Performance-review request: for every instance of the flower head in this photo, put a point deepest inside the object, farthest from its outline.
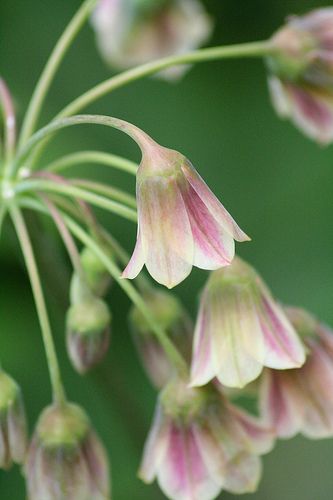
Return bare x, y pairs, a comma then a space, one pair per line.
171, 316
301, 400
13, 425
181, 222
302, 73
200, 444
65, 458
240, 329
88, 333
130, 33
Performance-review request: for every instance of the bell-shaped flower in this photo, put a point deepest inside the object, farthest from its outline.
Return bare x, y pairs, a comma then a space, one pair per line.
199, 444
66, 458
130, 33
301, 81
171, 316
13, 424
240, 329
301, 401
180, 221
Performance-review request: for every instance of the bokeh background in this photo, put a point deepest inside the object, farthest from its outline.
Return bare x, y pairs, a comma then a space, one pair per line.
277, 184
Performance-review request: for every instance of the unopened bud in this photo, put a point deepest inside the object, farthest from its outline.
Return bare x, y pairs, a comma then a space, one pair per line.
88, 333
13, 426
98, 278
66, 458
174, 320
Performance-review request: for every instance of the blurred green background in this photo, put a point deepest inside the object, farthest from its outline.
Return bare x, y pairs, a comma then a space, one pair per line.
277, 184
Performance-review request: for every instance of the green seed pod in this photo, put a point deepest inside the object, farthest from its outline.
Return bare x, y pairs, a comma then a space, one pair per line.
66, 458
88, 333
13, 425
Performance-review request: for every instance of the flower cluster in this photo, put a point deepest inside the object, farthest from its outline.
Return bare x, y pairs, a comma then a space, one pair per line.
201, 441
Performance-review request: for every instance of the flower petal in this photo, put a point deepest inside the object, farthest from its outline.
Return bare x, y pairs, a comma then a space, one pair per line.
244, 473
165, 230
217, 210
137, 260
213, 246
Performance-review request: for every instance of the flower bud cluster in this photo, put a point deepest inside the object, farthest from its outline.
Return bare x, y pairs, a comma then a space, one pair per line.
88, 318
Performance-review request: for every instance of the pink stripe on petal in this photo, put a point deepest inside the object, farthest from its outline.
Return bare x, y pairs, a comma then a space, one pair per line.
183, 474
213, 246
136, 262
283, 346
281, 402
312, 112
165, 230
214, 206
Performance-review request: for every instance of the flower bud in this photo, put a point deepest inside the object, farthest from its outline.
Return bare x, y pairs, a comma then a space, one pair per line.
200, 444
174, 320
301, 66
240, 329
88, 333
196, 230
66, 458
130, 33
98, 278
13, 425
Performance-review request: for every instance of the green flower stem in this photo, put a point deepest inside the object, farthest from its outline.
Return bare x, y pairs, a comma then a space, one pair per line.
253, 49
140, 137
3, 212
33, 185
106, 190
66, 236
170, 350
96, 157
51, 68
23, 236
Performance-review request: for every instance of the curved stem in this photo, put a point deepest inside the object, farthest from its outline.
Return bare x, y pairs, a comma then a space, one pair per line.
253, 49
140, 137
97, 157
24, 239
73, 191
51, 67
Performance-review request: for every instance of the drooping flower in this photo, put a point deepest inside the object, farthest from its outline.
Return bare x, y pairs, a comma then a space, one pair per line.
301, 81
88, 332
301, 400
65, 458
200, 444
180, 221
171, 316
13, 425
240, 329
130, 33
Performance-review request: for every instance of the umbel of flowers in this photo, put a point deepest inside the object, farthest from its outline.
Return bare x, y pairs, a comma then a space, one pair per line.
200, 442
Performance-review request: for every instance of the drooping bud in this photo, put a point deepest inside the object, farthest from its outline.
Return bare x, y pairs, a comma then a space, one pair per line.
13, 425
130, 33
88, 333
240, 329
98, 278
301, 400
302, 73
200, 444
174, 320
66, 458
196, 230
